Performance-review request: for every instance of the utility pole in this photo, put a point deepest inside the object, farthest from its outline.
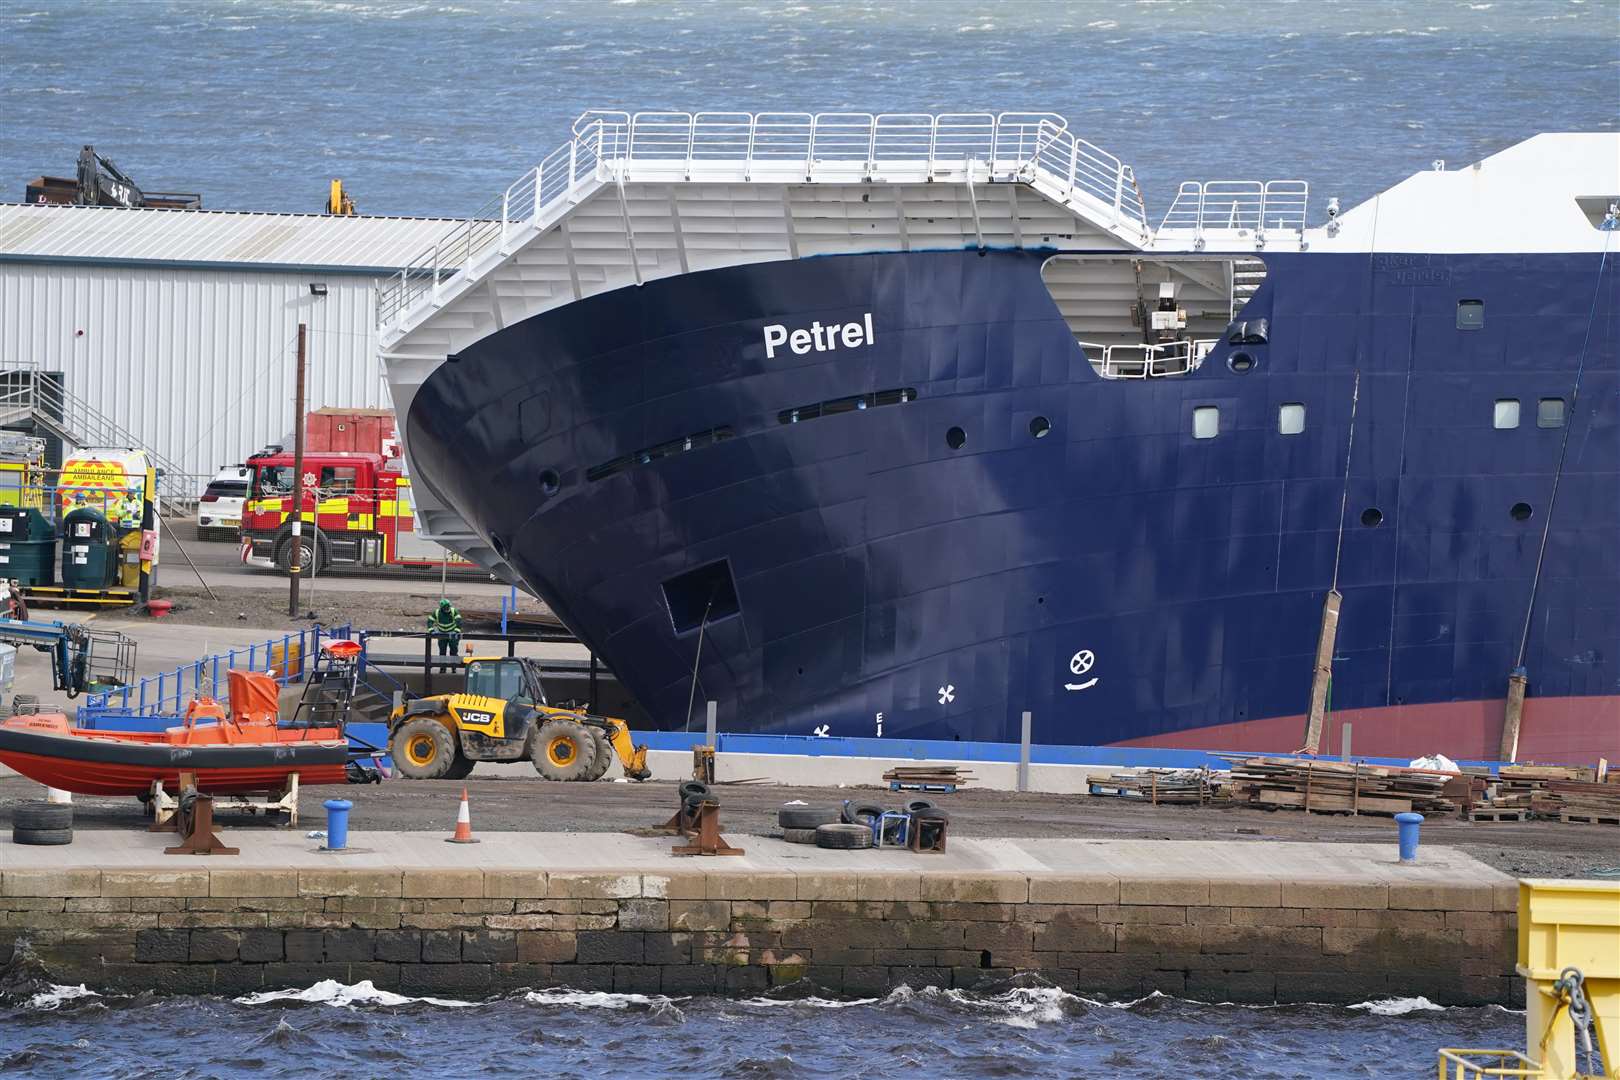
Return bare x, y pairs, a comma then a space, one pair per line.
296, 555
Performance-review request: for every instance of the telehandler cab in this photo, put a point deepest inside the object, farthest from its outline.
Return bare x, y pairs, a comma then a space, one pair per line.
501, 714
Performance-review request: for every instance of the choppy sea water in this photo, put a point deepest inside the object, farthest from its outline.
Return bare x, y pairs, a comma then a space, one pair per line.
332, 1030
432, 107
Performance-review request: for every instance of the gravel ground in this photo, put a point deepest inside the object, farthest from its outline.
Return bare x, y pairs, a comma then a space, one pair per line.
511, 801
393, 604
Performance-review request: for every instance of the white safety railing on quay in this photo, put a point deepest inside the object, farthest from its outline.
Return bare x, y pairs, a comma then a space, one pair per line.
1145, 361
1230, 205
785, 146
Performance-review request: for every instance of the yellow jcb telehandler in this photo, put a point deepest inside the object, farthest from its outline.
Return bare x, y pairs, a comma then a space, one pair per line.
501, 714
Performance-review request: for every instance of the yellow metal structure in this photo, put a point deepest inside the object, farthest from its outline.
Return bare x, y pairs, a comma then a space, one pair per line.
22, 467
338, 202
1569, 956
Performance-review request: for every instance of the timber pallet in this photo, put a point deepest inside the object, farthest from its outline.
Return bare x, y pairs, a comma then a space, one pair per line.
932, 788
1489, 814
1588, 819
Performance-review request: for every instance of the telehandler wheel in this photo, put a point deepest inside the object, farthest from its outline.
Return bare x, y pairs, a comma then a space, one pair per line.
563, 750
604, 756
460, 768
423, 749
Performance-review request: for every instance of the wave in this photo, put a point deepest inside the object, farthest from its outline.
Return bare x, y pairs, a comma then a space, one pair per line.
1398, 1006
55, 996
332, 992
596, 999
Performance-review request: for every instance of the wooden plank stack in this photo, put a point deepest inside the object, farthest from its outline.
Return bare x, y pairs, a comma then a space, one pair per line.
1175, 786
1562, 793
1336, 787
927, 777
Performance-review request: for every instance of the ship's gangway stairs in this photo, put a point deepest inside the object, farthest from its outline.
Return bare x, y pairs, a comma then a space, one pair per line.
633, 198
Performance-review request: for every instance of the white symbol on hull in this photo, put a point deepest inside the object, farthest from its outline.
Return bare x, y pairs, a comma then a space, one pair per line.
1080, 663
821, 732
947, 694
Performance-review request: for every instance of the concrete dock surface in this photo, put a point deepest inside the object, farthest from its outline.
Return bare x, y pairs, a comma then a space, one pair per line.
1262, 866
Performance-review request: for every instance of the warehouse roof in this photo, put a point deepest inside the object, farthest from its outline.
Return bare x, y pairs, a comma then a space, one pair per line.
213, 238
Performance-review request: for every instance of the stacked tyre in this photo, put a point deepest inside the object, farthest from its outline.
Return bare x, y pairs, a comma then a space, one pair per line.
799, 823
42, 823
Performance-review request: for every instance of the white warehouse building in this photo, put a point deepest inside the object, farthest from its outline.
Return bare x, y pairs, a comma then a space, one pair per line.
175, 330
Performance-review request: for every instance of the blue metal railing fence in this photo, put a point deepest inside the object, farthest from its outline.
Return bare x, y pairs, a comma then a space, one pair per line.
166, 693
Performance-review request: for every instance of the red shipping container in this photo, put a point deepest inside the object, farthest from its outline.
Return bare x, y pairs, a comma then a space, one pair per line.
366, 431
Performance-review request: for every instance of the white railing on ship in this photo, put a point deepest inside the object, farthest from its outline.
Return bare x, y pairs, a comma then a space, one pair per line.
1145, 361
1230, 205
778, 146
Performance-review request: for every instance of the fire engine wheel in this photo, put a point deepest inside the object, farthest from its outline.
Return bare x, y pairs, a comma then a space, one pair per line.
423, 749
563, 750
311, 560
604, 755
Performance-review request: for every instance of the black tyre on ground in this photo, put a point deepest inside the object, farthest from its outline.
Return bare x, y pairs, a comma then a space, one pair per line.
460, 768
843, 836
693, 787
855, 813
563, 750
41, 837
806, 817
799, 836
604, 754
42, 815
423, 749
918, 804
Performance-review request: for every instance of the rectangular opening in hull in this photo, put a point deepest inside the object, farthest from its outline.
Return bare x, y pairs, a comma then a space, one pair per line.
707, 594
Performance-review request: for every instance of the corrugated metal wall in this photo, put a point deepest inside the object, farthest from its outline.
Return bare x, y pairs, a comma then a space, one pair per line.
198, 363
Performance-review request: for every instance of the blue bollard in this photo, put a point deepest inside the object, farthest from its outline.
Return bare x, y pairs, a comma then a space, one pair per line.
337, 823
1408, 825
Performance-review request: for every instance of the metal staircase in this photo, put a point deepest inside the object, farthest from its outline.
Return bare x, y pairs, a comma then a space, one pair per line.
1247, 274
38, 397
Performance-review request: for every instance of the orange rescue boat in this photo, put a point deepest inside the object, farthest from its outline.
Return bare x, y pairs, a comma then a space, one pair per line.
246, 750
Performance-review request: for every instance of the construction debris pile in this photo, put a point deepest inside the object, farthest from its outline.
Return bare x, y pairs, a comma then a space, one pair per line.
1513, 793
1350, 787
1185, 786
1519, 792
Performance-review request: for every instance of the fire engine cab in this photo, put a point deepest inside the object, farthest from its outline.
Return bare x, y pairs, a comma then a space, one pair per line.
359, 505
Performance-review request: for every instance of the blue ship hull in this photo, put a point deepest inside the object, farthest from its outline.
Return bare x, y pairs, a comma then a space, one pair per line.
996, 528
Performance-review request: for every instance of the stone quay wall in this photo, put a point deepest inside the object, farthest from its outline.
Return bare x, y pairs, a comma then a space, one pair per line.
475, 932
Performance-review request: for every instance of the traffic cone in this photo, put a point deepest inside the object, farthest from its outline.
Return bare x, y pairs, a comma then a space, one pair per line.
463, 824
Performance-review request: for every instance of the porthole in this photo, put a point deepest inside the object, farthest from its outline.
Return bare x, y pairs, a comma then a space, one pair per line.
1520, 512
1372, 517
549, 482
1240, 362
1550, 412
1040, 427
956, 438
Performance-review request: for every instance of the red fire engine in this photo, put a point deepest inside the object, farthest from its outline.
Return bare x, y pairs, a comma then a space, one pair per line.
359, 505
